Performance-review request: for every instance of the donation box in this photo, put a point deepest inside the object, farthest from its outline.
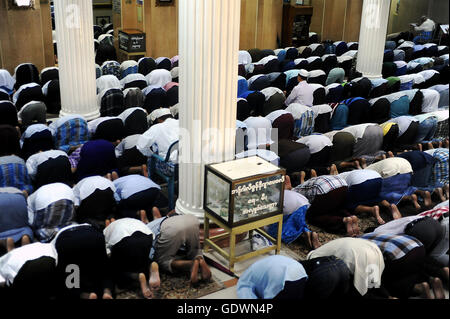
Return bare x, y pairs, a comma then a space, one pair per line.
243, 191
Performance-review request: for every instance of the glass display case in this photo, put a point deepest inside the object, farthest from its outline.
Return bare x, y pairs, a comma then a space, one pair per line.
244, 190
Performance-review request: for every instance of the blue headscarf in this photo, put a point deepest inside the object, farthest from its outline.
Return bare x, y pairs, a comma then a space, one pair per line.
266, 278
340, 117
243, 91
293, 226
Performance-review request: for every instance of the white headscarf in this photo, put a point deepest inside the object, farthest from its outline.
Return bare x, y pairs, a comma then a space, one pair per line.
158, 78
108, 82
6, 80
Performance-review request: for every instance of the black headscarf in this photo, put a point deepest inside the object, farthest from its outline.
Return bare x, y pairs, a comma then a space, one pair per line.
243, 110
8, 114
380, 111
34, 113
105, 52
39, 141
134, 98
53, 98
48, 75
156, 99
256, 102
136, 123
29, 94
342, 149
110, 130
26, 73
146, 65
275, 102
361, 88
172, 96
9, 140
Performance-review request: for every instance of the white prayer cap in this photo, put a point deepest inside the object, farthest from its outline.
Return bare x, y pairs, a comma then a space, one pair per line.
303, 73
156, 114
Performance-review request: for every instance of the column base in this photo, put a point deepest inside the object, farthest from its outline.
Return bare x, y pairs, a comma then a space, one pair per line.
199, 213
371, 76
88, 116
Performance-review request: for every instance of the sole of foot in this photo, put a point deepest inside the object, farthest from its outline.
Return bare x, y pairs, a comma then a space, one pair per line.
438, 288
155, 281
194, 272
204, 270
349, 226
146, 292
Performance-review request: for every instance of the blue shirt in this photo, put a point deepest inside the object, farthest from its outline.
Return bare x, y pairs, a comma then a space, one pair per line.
129, 185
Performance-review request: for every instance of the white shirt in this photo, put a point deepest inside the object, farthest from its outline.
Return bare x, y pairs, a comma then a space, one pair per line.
297, 110
403, 123
127, 143
293, 201
259, 131
302, 94
32, 129
161, 135
47, 195
431, 100
108, 81
359, 176
276, 114
358, 130
12, 262
315, 143
37, 159
427, 26
391, 167
132, 184
123, 228
89, 185
397, 226
245, 57
268, 92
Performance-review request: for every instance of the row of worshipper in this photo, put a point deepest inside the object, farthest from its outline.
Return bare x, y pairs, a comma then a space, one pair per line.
337, 89
271, 65
405, 258
126, 254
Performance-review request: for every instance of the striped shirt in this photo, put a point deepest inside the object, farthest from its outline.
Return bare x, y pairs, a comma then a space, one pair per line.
436, 213
439, 177
393, 247
319, 186
14, 173
72, 132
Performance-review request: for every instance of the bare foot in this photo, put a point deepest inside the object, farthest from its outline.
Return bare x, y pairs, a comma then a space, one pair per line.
113, 220
423, 289
315, 240
420, 147
356, 229
390, 154
194, 272
445, 272
302, 177
107, 223
348, 225
144, 170
427, 199
156, 213
395, 212
376, 214
313, 173
363, 163
438, 288
287, 183
430, 146
440, 193
114, 176
107, 295
143, 216
204, 269
333, 170
415, 201
307, 236
92, 295
146, 292
9, 244
155, 281
25, 240
108, 176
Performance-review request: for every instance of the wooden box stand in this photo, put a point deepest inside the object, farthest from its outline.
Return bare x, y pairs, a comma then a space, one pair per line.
232, 232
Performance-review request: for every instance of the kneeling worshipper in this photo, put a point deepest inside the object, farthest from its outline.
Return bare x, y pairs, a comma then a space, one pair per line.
438, 262
259, 132
13, 171
70, 132
84, 246
14, 226
440, 173
161, 136
134, 120
320, 149
30, 269
397, 174
129, 158
295, 206
390, 135
428, 123
111, 129
364, 260
94, 158
36, 138
293, 156
369, 141
408, 129
128, 242
342, 150
304, 119
363, 196
135, 193
50, 208
328, 278
327, 195
176, 247
8, 113
404, 258
94, 201
429, 232
283, 122
422, 164
274, 277
49, 167
303, 93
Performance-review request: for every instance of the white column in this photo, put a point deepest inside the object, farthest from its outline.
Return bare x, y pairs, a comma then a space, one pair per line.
76, 58
372, 37
208, 47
